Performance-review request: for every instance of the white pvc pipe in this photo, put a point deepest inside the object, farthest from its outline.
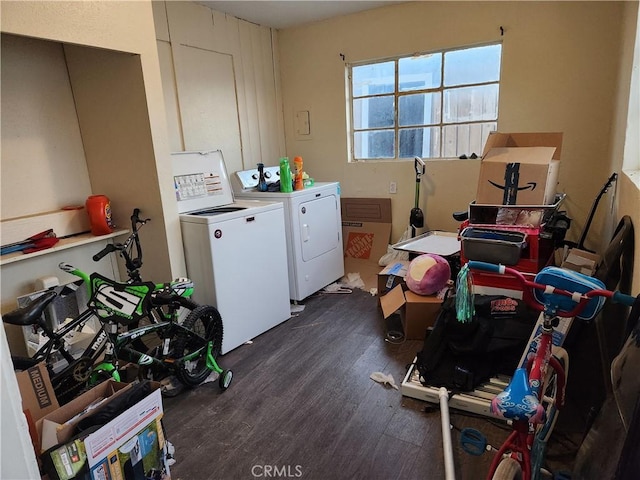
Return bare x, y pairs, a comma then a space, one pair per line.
450, 473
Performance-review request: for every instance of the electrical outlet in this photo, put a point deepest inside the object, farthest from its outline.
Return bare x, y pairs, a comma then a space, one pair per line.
393, 188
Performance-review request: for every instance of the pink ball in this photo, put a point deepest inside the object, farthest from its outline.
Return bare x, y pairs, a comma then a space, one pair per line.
427, 274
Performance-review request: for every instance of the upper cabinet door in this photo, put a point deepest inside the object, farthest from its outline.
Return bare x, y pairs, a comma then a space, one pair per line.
208, 103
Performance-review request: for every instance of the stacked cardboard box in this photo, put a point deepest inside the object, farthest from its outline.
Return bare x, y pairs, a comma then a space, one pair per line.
519, 169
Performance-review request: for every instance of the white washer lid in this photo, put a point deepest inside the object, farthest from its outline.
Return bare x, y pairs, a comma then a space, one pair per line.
200, 180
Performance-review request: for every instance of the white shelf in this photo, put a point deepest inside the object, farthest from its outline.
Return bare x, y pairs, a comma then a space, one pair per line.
63, 244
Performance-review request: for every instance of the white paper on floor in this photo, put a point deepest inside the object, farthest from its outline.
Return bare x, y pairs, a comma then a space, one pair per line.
213, 376
352, 280
296, 308
384, 379
336, 288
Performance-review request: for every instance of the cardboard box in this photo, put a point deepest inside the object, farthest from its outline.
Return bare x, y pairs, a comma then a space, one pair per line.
131, 444
137, 457
581, 261
417, 312
366, 227
57, 426
519, 169
420, 313
392, 275
366, 231
38, 397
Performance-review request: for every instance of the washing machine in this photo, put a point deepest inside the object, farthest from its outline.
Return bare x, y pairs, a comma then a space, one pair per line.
235, 251
313, 227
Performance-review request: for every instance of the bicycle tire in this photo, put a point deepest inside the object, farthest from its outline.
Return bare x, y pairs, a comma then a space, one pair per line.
508, 469
206, 323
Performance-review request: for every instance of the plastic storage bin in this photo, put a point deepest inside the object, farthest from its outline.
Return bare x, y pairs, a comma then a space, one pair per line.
493, 246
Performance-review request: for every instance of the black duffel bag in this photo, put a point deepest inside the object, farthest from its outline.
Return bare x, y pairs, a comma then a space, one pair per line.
462, 356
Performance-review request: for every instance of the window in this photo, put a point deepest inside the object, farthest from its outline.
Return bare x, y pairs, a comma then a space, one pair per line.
431, 105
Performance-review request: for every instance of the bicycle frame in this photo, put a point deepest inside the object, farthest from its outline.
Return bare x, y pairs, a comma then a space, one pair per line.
56, 341
165, 330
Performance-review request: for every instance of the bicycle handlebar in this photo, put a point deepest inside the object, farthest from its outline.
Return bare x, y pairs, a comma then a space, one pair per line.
132, 264
581, 299
104, 252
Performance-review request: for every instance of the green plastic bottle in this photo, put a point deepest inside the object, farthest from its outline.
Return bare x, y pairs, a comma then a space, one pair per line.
286, 182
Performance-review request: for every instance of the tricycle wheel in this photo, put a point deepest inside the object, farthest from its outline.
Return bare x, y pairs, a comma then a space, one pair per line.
225, 379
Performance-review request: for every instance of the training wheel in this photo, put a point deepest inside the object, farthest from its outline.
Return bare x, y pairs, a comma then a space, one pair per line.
225, 379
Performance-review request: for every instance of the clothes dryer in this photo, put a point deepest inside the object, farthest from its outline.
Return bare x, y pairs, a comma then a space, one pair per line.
313, 228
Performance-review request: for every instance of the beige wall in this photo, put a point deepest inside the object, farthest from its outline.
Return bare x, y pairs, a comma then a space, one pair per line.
37, 100
628, 113
560, 69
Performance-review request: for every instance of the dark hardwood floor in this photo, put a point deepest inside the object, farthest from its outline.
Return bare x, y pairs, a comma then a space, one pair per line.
302, 405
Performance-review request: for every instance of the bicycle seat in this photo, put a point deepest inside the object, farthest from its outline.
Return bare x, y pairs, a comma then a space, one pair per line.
517, 401
30, 313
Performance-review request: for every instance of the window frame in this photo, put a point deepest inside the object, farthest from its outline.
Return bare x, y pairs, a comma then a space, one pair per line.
397, 94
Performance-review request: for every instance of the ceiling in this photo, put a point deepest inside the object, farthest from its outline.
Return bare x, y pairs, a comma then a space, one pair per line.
286, 14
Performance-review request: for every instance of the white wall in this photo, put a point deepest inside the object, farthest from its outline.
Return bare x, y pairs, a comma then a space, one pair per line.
17, 458
560, 67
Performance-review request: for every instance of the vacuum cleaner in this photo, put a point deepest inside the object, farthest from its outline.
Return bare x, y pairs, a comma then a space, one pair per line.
416, 219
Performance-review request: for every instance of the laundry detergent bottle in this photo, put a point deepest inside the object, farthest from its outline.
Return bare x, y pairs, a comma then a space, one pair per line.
298, 184
286, 182
99, 210
262, 181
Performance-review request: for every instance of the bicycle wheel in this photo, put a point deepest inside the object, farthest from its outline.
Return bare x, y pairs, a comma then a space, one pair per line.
508, 469
204, 325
